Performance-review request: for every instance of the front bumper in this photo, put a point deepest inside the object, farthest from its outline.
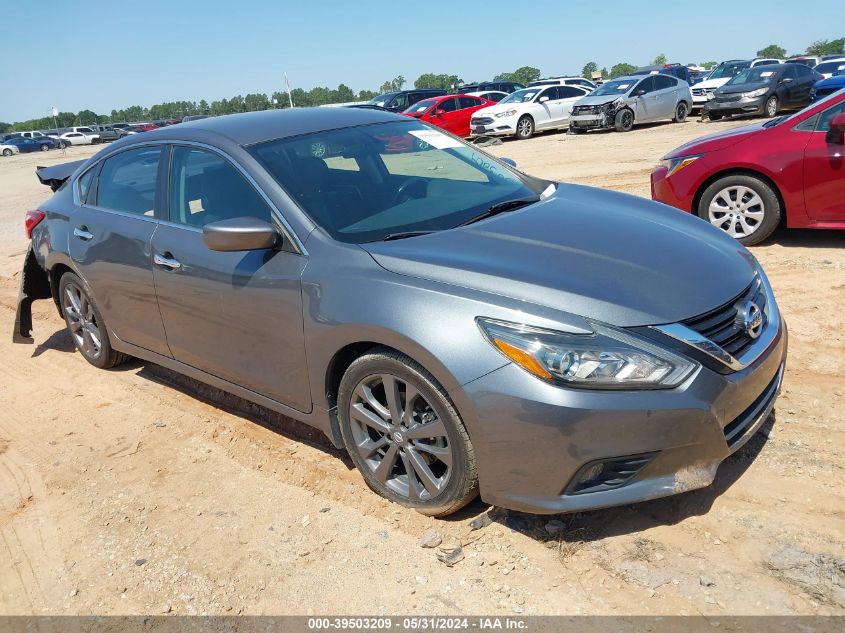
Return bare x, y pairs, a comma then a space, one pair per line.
741, 106
499, 127
537, 437
598, 121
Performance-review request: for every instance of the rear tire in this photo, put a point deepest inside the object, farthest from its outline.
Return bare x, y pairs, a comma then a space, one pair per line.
681, 111
45, 147
713, 116
770, 110
7, 152
524, 127
745, 207
624, 120
85, 323
387, 438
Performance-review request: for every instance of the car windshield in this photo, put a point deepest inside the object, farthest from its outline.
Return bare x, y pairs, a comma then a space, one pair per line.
382, 100
618, 87
728, 70
758, 75
521, 96
363, 184
421, 106
789, 118
833, 68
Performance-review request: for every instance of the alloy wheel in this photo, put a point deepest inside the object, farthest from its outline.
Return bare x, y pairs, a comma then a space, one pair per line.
525, 127
627, 119
81, 321
400, 437
737, 210
681, 112
772, 106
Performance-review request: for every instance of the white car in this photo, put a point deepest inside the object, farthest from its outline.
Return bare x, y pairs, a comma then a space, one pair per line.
80, 138
8, 150
830, 67
703, 91
564, 81
490, 95
527, 111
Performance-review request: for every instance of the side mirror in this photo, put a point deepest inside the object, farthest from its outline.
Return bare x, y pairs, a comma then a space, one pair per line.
836, 132
542, 100
786, 80
439, 111
639, 93
240, 234
508, 161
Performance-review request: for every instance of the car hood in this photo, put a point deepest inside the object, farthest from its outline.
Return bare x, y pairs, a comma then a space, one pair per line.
499, 107
737, 88
831, 82
591, 100
603, 255
717, 140
713, 83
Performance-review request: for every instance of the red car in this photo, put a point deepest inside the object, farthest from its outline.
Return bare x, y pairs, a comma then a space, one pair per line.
748, 180
451, 112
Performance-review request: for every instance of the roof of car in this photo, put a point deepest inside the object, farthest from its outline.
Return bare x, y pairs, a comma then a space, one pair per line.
254, 127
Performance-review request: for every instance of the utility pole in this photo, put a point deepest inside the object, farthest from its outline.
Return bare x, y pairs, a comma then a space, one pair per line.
287, 83
55, 112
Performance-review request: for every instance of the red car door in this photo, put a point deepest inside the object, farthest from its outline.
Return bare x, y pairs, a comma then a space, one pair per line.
445, 115
824, 171
467, 106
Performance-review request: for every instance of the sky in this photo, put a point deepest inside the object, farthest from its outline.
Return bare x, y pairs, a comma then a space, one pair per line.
100, 55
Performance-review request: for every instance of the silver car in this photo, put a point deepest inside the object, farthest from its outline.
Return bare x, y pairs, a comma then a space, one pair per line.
622, 103
457, 326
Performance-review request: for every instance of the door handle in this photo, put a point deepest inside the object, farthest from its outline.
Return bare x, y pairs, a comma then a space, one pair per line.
83, 233
166, 262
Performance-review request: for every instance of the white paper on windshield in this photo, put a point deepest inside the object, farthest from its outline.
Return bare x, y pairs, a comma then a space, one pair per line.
624, 87
768, 73
436, 139
548, 191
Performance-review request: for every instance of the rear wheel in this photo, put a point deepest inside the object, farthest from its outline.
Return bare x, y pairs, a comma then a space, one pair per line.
681, 111
744, 207
62, 145
624, 120
44, 147
525, 127
404, 434
771, 107
85, 323
7, 152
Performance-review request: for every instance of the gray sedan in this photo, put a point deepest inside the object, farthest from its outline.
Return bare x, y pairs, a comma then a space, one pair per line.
457, 326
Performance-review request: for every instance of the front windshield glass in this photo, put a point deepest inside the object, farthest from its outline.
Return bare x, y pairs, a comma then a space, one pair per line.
381, 100
790, 118
521, 96
833, 68
616, 87
421, 106
728, 70
362, 184
758, 75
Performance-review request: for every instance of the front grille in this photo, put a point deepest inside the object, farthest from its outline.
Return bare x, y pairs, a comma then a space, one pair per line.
698, 92
585, 109
728, 98
735, 431
483, 120
721, 325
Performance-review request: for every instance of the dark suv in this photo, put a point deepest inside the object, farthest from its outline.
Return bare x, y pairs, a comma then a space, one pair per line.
503, 86
675, 70
401, 100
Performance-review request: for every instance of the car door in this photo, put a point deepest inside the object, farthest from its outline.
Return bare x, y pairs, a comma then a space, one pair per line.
665, 96
788, 86
645, 108
569, 95
468, 105
235, 315
824, 171
543, 108
445, 114
115, 216
803, 85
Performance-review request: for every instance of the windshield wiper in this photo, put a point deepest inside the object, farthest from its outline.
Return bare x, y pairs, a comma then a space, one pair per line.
501, 207
403, 234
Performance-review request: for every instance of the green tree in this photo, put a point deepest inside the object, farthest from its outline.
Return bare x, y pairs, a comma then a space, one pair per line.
589, 69
87, 117
827, 47
442, 81
524, 75
393, 84
659, 60
344, 94
5, 127
772, 50
604, 72
622, 69
366, 95
710, 65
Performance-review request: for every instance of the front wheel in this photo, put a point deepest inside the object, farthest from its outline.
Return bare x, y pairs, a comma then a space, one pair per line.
713, 116
404, 435
44, 147
7, 152
681, 112
624, 120
85, 323
62, 145
771, 107
525, 127
744, 207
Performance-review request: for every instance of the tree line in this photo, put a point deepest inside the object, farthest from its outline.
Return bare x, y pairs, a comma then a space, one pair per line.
343, 93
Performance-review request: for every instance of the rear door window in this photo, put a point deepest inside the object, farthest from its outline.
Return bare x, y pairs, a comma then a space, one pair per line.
84, 184
662, 82
128, 181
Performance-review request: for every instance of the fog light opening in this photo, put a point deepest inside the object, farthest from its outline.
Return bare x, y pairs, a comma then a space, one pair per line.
607, 474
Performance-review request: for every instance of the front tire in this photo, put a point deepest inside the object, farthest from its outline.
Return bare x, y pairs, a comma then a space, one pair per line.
745, 207
525, 127
713, 116
770, 110
681, 111
624, 120
404, 434
7, 152
85, 323
45, 147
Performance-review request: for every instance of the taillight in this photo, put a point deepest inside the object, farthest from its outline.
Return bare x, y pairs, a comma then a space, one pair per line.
32, 220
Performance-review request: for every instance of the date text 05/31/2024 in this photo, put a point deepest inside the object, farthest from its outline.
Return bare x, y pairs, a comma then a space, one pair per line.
416, 623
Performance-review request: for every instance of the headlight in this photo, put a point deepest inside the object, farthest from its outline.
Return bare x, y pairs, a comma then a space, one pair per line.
674, 165
606, 359
613, 104
504, 114
755, 93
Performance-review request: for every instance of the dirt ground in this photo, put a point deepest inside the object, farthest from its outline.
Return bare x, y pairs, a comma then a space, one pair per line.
135, 491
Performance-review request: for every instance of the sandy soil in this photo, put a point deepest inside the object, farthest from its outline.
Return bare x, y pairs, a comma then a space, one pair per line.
136, 491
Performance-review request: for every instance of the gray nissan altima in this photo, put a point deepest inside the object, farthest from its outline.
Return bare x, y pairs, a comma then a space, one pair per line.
457, 326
